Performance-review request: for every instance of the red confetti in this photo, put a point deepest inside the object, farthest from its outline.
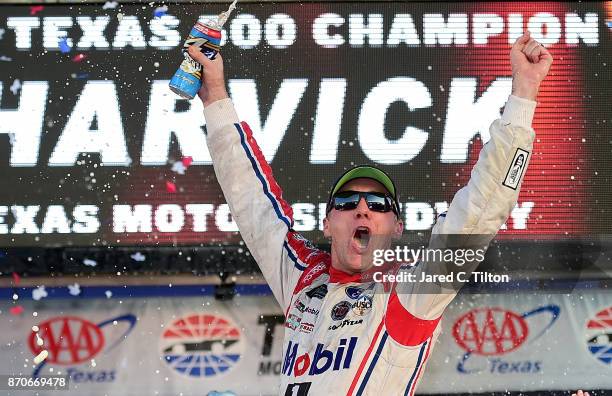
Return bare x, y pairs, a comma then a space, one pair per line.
187, 161
36, 9
16, 310
16, 278
170, 187
79, 57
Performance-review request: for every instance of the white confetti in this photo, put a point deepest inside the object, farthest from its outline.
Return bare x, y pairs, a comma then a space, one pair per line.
119, 16
15, 296
39, 293
41, 356
93, 363
179, 167
74, 290
138, 256
39, 340
108, 293
4, 58
2, 33
35, 329
15, 87
109, 5
90, 262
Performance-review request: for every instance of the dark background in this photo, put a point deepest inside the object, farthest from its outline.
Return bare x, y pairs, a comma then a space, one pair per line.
572, 121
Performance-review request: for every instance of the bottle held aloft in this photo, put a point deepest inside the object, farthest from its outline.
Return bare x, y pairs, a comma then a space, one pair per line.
187, 80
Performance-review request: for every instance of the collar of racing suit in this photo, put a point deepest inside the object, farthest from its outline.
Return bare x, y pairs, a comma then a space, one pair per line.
339, 276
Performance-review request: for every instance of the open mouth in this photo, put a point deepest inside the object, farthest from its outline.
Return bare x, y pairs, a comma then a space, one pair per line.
362, 236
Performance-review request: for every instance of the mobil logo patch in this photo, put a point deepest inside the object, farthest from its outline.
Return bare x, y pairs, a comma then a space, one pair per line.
202, 345
73, 340
323, 359
599, 336
489, 335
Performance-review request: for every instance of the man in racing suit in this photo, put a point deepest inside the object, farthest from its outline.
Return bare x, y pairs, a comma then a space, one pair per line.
344, 334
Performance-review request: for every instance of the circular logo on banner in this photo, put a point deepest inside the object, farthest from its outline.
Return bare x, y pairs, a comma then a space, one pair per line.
71, 340
494, 331
340, 310
363, 305
202, 345
599, 336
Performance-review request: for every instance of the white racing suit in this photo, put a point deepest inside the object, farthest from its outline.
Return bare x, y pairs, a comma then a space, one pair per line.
338, 342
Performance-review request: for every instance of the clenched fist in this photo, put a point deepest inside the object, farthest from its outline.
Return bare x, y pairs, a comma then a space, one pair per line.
530, 64
213, 80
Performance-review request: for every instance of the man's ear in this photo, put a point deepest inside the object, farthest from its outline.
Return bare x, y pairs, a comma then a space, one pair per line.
399, 229
326, 231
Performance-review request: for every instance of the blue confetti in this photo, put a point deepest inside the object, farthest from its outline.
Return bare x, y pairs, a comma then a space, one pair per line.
63, 45
609, 23
80, 76
160, 11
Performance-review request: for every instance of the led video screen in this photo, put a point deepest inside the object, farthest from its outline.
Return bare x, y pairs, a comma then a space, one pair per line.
95, 150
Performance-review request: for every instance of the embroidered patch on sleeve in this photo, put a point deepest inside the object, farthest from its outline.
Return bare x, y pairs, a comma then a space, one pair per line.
516, 169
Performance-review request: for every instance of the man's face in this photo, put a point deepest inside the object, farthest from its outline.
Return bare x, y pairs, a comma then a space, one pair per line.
356, 233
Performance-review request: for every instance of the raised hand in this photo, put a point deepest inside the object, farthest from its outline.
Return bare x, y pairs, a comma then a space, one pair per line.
530, 64
213, 80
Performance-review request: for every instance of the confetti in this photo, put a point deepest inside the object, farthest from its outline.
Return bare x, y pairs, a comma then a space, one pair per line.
138, 256
16, 278
4, 58
39, 293
35, 329
79, 76
119, 16
109, 5
63, 45
170, 187
187, 161
2, 33
90, 262
79, 57
179, 168
160, 11
15, 87
41, 357
108, 293
16, 310
74, 290
36, 9
39, 341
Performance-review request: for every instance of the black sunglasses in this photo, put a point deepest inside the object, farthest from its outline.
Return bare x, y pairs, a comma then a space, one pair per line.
349, 200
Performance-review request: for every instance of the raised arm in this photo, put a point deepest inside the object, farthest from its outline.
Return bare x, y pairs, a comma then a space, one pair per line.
479, 209
264, 218
484, 205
